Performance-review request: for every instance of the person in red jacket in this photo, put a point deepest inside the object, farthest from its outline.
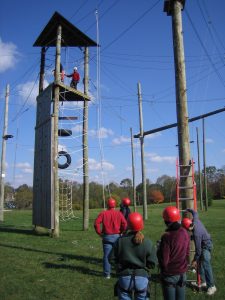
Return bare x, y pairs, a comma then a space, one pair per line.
109, 224
75, 78
173, 255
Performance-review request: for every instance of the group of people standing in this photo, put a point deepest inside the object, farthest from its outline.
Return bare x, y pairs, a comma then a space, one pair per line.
126, 247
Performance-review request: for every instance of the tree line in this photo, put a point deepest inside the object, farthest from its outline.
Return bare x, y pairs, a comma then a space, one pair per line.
163, 190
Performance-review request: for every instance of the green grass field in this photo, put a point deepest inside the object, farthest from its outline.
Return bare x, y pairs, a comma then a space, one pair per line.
70, 267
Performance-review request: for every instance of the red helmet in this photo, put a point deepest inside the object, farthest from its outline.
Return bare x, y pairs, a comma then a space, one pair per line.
126, 201
186, 223
135, 221
171, 214
111, 203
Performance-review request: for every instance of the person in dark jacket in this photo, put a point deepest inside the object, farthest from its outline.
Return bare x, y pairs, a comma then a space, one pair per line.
203, 247
124, 207
75, 78
173, 254
109, 224
133, 255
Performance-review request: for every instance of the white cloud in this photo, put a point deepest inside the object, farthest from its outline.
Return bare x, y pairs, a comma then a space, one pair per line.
25, 167
9, 56
153, 135
121, 140
96, 166
101, 133
29, 171
157, 158
62, 148
28, 91
78, 128
209, 141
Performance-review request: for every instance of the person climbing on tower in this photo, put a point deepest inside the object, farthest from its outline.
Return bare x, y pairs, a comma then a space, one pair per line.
109, 225
75, 78
203, 248
124, 207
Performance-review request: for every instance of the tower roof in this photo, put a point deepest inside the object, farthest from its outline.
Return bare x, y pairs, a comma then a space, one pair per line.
71, 35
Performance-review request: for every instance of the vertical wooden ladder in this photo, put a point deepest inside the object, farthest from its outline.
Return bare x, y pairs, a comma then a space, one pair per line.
179, 199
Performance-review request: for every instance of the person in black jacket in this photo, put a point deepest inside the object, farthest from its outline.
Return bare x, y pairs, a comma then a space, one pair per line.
124, 207
133, 255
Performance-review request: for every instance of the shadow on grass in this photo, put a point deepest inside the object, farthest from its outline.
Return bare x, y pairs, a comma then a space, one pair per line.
62, 256
80, 269
20, 230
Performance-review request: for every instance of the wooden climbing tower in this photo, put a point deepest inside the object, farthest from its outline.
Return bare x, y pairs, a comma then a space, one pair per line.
57, 33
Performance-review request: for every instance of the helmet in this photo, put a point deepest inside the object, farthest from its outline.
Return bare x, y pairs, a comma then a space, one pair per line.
186, 223
126, 201
111, 203
171, 214
135, 221
75, 68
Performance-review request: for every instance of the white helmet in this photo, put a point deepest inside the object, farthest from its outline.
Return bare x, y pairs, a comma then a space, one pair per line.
75, 68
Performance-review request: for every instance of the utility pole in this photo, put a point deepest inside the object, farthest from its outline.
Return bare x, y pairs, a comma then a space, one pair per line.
173, 9
133, 170
4, 138
55, 231
204, 167
199, 172
85, 145
145, 212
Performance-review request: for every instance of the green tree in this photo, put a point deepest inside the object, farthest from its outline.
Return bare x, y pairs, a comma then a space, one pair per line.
168, 184
126, 185
24, 197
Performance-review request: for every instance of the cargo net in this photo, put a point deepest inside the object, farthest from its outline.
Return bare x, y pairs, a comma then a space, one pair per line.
65, 200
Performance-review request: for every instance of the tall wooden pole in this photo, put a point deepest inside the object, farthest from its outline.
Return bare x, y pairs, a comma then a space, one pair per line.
145, 212
204, 167
199, 172
181, 104
42, 70
2, 178
133, 171
85, 145
55, 231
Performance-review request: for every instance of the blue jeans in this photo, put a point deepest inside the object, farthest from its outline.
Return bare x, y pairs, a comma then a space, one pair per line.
174, 287
206, 268
107, 243
139, 285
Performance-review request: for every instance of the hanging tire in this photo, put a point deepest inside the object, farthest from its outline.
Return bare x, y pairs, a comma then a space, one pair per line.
64, 132
68, 160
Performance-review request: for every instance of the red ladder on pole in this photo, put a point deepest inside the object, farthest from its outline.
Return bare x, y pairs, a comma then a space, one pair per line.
194, 197
178, 187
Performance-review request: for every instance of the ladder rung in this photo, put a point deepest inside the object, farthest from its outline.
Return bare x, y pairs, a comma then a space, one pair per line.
185, 176
184, 165
184, 199
185, 187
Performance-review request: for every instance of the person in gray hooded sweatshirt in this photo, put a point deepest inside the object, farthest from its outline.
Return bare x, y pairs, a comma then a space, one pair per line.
203, 247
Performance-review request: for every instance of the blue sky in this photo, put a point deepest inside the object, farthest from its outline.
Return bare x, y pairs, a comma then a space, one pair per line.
136, 46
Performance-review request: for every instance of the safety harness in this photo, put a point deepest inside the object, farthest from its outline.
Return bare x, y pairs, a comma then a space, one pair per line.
132, 287
180, 283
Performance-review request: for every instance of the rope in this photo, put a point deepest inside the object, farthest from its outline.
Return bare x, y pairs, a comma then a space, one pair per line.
100, 112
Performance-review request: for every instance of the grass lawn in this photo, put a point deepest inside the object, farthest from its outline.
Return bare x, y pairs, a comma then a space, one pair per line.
70, 267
